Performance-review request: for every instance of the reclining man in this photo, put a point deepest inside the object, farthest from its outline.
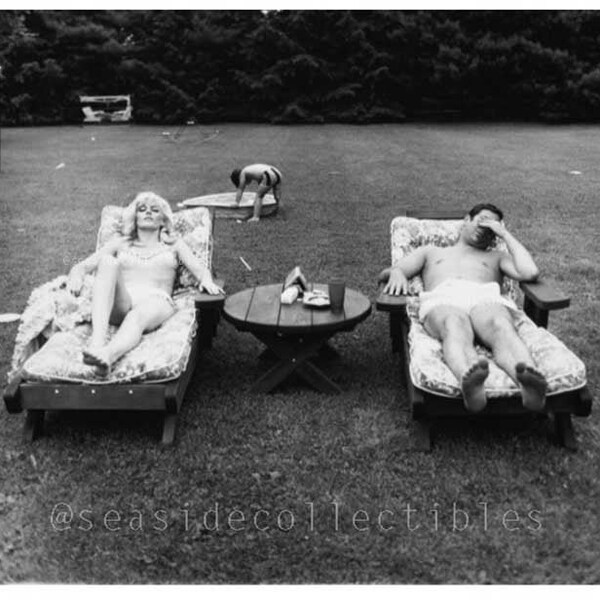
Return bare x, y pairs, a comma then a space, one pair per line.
461, 300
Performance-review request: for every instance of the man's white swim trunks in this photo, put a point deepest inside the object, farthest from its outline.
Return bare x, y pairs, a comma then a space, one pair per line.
462, 294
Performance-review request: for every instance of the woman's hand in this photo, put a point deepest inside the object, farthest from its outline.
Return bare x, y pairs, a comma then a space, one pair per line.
75, 282
208, 285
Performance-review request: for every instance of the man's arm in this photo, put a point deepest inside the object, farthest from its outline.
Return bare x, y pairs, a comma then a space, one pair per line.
405, 269
519, 263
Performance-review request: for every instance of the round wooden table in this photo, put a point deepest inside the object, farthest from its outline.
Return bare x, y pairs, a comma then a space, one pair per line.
294, 333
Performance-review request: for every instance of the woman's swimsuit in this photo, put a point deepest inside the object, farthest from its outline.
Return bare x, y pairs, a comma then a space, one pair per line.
148, 266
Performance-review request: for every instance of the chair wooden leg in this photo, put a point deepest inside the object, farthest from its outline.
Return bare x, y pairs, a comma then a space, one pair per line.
395, 332
34, 425
421, 435
169, 425
564, 430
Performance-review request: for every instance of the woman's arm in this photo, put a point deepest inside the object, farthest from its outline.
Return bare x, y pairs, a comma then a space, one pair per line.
198, 270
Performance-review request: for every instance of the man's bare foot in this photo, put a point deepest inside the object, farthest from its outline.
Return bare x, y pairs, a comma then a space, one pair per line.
253, 220
97, 357
533, 387
472, 386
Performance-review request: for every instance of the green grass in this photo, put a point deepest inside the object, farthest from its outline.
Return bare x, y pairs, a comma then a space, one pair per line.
283, 451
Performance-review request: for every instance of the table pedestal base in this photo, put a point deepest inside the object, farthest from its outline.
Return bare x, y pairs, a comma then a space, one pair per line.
293, 355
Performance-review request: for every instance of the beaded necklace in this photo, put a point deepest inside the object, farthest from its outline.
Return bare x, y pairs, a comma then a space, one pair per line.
144, 257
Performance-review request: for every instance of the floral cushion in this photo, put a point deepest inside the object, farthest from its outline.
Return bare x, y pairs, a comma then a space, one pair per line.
60, 359
54, 314
563, 370
193, 225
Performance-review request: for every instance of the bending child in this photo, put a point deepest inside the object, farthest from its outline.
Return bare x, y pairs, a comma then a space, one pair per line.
268, 179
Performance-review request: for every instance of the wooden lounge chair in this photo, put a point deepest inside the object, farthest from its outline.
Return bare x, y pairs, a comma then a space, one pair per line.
48, 372
433, 391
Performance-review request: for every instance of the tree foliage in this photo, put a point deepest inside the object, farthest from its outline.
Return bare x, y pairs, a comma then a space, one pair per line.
302, 66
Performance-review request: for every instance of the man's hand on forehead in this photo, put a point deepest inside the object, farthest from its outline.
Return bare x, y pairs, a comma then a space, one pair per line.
494, 225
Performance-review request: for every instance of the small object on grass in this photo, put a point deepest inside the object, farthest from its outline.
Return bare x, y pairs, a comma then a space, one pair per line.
574, 172
9, 317
211, 136
166, 133
59, 166
33, 461
245, 263
93, 139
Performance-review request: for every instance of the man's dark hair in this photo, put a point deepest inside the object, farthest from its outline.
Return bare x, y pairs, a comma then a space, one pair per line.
485, 206
235, 176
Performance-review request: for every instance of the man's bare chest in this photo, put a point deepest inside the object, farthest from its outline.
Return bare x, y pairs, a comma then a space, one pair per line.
466, 263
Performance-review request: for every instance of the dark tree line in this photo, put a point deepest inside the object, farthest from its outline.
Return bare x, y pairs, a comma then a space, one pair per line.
302, 66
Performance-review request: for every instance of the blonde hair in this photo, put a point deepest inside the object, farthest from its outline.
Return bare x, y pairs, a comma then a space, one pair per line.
129, 220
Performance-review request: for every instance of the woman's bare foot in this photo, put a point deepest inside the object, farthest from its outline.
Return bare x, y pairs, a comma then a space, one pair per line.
472, 386
97, 357
533, 387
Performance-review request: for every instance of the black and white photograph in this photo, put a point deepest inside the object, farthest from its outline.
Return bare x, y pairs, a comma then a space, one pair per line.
299, 296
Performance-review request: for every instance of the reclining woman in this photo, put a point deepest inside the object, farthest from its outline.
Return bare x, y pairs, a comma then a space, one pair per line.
135, 274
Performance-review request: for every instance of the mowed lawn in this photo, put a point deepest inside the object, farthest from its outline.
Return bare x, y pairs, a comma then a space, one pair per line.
295, 486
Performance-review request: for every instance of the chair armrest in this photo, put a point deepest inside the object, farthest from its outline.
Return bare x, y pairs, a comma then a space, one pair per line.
214, 301
389, 303
208, 310
544, 295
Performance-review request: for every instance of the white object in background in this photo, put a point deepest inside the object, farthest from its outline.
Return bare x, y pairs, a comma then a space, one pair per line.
60, 166
9, 317
317, 298
290, 295
574, 172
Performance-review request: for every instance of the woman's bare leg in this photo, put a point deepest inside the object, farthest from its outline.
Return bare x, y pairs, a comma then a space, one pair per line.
110, 300
144, 317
